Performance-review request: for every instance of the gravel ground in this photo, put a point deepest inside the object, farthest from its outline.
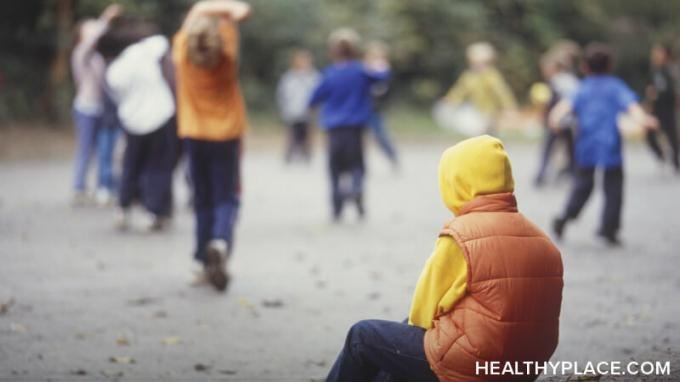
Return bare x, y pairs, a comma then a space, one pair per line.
85, 302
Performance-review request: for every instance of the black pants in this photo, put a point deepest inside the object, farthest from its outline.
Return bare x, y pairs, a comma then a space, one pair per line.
551, 138
298, 141
346, 159
148, 164
668, 127
584, 181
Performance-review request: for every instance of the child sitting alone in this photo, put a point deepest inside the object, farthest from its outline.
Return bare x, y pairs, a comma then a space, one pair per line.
491, 290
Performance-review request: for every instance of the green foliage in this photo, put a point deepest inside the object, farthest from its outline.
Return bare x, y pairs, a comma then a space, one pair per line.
427, 39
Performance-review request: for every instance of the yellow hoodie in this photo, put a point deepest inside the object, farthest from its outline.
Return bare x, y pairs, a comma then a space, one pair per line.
473, 167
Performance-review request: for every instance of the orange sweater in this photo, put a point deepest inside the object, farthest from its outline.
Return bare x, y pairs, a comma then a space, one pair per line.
209, 102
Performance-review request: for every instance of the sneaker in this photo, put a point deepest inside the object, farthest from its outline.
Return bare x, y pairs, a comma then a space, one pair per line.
103, 197
360, 207
80, 199
156, 223
122, 219
558, 227
215, 264
200, 279
611, 239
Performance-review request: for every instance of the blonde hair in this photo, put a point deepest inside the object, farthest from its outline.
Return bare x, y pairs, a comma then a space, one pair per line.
344, 43
480, 53
205, 47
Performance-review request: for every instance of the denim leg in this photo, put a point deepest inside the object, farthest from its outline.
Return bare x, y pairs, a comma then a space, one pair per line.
613, 192
584, 180
377, 349
377, 125
106, 143
548, 144
199, 170
653, 143
86, 129
225, 184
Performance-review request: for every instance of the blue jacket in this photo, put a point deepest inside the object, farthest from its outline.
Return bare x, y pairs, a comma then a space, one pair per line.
597, 104
344, 94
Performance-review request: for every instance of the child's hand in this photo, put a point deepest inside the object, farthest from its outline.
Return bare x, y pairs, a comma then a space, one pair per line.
111, 12
651, 123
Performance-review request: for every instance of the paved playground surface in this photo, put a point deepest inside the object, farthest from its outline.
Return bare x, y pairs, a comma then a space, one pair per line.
85, 302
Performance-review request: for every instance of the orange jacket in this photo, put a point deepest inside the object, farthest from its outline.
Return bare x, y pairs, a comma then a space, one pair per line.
511, 308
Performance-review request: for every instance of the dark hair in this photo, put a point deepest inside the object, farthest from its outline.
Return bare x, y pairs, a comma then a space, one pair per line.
123, 32
598, 58
344, 50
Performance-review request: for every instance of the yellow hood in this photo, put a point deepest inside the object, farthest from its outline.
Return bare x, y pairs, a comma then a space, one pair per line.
474, 167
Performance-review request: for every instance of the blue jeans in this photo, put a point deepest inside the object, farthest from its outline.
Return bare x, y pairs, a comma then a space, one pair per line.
214, 168
86, 131
377, 125
106, 144
377, 350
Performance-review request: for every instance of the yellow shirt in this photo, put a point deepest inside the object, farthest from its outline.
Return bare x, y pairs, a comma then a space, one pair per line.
442, 283
485, 89
209, 102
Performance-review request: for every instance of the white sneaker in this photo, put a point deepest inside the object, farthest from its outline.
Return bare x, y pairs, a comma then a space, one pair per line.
217, 252
122, 219
103, 197
80, 199
155, 223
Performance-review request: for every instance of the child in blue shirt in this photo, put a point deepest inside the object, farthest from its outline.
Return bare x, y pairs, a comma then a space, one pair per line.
597, 104
345, 99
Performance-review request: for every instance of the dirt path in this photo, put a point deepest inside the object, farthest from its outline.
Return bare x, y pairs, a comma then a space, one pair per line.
92, 303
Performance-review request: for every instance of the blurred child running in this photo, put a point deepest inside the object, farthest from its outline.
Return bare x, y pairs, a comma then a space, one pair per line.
212, 122
661, 95
563, 84
88, 69
344, 95
377, 50
597, 103
491, 290
146, 111
293, 92
483, 86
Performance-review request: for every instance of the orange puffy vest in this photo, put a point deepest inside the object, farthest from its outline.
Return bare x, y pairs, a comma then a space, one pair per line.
511, 308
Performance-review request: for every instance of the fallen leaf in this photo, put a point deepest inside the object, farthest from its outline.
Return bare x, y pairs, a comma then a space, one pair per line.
122, 341
4, 306
201, 367
78, 372
122, 359
168, 341
112, 374
142, 301
227, 372
160, 314
244, 302
18, 328
276, 303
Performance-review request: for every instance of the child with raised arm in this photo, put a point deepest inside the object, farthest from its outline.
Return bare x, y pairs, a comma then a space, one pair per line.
212, 122
88, 69
344, 95
600, 98
490, 291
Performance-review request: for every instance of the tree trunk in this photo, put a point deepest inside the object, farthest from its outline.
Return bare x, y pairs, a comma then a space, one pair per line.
56, 86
